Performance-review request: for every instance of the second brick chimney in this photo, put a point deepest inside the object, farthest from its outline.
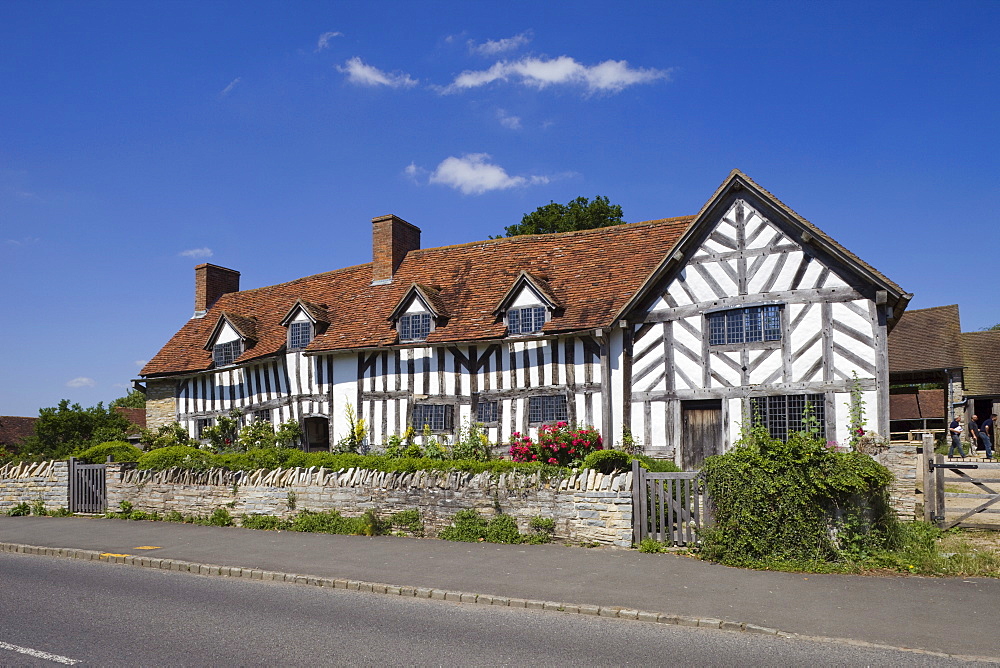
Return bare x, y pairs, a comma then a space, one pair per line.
211, 282
392, 239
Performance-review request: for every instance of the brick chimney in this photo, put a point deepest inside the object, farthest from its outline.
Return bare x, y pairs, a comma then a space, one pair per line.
392, 239
211, 282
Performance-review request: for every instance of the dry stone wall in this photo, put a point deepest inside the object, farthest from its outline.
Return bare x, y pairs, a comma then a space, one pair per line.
902, 460
587, 507
29, 482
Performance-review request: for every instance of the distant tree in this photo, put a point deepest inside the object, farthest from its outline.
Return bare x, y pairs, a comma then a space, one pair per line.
994, 328
66, 428
134, 399
580, 214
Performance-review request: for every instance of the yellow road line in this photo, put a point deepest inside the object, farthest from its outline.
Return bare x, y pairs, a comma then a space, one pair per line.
147, 547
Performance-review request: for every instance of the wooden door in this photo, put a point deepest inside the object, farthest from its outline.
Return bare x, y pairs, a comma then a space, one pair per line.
701, 432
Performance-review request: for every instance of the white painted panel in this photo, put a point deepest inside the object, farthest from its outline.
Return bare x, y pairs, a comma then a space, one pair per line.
617, 350
345, 392
813, 270
725, 371
784, 282
810, 325
300, 316
767, 237
415, 306
770, 362
752, 223
658, 305
756, 282
526, 297
841, 417
806, 362
659, 426
677, 292
226, 334
722, 278
712, 246
736, 419
833, 281
700, 252
698, 286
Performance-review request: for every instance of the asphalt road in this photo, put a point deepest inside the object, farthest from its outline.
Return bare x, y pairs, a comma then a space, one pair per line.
104, 614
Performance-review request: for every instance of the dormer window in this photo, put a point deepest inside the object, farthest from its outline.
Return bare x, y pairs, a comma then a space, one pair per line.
414, 326
226, 353
526, 320
420, 311
299, 335
304, 322
528, 305
231, 337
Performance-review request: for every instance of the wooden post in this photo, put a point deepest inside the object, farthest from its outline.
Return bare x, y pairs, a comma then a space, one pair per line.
939, 490
637, 515
71, 487
928, 478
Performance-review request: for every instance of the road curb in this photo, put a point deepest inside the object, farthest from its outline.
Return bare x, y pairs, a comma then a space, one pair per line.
619, 612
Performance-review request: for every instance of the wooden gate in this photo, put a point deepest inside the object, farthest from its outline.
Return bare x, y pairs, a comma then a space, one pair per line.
87, 487
668, 507
961, 494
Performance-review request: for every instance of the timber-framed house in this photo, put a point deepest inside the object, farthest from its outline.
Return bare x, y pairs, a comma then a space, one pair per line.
671, 331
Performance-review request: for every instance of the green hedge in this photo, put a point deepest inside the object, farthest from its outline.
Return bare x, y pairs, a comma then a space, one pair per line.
119, 451
182, 456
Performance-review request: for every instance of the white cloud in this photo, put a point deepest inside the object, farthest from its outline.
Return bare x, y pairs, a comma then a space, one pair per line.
362, 74
325, 39
508, 121
228, 89
414, 172
81, 382
140, 363
474, 174
611, 76
196, 253
25, 241
493, 47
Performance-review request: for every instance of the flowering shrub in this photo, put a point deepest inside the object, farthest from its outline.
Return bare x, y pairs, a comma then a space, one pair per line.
560, 445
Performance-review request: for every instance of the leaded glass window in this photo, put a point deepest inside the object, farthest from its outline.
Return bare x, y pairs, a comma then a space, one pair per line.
745, 325
226, 353
785, 414
487, 411
414, 326
299, 335
547, 409
438, 417
525, 320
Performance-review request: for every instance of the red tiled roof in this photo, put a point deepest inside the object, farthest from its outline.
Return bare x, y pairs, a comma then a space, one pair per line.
916, 405
981, 351
926, 339
136, 416
13, 430
591, 273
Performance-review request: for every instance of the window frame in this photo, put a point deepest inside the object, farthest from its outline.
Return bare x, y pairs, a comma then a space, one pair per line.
782, 413
547, 409
538, 314
404, 326
298, 324
492, 406
757, 325
447, 417
200, 424
220, 350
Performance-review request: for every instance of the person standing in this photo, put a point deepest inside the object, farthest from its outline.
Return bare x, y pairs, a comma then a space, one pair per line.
955, 430
974, 434
986, 432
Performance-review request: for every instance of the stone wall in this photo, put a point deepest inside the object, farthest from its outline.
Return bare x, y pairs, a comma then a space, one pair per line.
27, 483
587, 507
161, 403
902, 460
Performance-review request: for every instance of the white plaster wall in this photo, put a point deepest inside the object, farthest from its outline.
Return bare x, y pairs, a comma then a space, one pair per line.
784, 281
691, 368
415, 306
526, 297
617, 353
765, 238
770, 361
345, 391
677, 292
226, 334
697, 285
735, 425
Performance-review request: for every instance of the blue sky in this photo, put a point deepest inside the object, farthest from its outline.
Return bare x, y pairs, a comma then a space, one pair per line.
140, 139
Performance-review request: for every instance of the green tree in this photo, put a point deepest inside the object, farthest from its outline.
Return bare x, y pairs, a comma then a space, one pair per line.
580, 214
134, 399
66, 428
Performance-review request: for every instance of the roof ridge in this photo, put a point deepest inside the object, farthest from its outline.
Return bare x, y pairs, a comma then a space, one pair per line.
523, 238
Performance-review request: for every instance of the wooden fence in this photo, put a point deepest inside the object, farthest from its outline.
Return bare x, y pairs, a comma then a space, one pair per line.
668, 507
